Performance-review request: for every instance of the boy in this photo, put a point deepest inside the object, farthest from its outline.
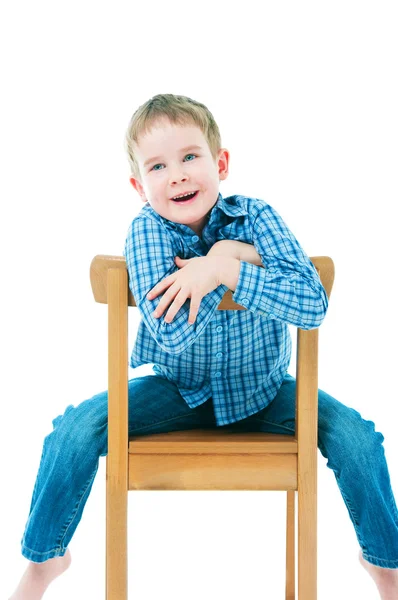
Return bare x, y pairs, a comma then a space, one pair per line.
212, 368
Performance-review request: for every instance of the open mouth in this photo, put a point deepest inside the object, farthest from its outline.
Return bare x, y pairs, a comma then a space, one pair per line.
187, 199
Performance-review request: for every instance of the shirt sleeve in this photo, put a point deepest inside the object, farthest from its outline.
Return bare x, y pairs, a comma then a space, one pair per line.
150, 252
288, 288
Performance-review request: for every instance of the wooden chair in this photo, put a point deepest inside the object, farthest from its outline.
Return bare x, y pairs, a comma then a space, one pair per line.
208, 459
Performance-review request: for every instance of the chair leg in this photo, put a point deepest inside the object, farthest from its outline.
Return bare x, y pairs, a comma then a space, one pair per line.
116, 540
307, 538
290, 530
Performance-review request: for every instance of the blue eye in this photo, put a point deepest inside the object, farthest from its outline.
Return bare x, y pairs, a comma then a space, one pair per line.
157, 165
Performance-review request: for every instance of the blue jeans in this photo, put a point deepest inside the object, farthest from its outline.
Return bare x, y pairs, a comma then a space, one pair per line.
71, 454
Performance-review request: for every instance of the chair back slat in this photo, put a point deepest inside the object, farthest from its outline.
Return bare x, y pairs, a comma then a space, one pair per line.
103, 262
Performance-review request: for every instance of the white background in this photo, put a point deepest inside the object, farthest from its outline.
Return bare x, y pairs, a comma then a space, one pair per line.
305, 95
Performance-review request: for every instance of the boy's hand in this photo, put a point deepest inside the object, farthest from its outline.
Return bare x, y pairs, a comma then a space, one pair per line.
197, 277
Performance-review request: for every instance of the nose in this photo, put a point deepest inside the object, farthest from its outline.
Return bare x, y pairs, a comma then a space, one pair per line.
177, 176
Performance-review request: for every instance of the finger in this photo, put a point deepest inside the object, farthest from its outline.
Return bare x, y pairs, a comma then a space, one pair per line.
155, 291
175, 307
167, 298
180, 261
194, 309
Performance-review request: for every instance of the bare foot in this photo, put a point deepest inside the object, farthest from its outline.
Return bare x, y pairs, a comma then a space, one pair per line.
38, 577
386, 580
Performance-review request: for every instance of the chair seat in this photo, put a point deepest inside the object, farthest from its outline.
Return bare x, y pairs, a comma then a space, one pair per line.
197, 441
203, 459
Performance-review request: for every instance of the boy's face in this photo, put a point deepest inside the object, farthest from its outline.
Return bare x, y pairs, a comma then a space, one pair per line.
177, 169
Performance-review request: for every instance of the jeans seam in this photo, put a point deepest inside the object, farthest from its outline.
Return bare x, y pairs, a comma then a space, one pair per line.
380, 559
37, 477
157, 423
75, 510
350, 509
393, 504
353, 515
274, 424
42, 553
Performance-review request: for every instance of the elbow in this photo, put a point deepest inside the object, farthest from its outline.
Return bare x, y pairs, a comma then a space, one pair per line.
311, 324
316, 316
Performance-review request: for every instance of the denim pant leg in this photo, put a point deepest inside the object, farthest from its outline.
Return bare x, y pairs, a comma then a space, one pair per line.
355, 454
70, 456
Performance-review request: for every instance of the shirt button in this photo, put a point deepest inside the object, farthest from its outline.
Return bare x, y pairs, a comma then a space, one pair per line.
245, 299
217, 373
219, 328
219, 355
195, 238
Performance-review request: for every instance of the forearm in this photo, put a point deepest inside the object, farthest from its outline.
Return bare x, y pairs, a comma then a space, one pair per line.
228, 269
235, 249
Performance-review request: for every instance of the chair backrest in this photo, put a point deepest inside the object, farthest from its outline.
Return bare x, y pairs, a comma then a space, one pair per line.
109, 282
102, 263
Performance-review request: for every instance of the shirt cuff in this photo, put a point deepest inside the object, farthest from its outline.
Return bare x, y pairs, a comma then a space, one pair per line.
250, 286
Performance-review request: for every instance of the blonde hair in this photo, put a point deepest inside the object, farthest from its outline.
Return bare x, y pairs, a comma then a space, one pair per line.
179, 110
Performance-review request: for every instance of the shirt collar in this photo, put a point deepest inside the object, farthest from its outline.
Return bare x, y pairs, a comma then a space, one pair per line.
231, 206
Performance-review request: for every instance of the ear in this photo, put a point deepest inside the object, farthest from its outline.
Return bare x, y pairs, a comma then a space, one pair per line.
139, 188
223, 163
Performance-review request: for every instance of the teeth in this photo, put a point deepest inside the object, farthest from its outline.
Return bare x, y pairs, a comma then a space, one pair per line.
183, 195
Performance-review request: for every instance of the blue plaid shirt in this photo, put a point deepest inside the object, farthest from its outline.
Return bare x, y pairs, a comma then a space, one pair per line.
237, 357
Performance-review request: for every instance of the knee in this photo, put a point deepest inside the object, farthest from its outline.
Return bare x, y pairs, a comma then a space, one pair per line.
363, 437
350, 438
79, 425
60, 419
